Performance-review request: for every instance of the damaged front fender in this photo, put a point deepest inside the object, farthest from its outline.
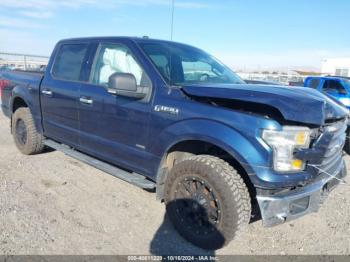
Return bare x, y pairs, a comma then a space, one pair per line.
296, 104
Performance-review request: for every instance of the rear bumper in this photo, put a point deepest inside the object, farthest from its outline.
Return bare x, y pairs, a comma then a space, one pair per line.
277, 209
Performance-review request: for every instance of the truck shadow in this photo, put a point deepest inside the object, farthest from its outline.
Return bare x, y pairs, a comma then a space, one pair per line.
48, 150
167, 241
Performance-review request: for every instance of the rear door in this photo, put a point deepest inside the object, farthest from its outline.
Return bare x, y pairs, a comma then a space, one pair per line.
115, 128
60, 93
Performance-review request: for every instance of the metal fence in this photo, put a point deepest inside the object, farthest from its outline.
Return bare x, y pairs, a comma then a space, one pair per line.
23, 61
278, 78
14, 61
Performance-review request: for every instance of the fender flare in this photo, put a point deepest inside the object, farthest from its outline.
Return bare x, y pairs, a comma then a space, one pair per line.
23, 93
225, 137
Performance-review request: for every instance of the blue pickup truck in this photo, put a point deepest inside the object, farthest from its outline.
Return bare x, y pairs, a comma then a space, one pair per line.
169, 117
337, 87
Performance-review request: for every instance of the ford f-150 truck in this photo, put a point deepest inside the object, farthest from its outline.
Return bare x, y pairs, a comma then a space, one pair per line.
168, 116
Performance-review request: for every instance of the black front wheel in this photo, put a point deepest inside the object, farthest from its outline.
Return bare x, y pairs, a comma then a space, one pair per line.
347, 141
207, 201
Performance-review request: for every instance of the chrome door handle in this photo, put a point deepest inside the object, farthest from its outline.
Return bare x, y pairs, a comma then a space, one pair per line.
85, 100
47, 92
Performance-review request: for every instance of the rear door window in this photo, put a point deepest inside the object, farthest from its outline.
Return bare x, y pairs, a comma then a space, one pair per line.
313, 83
69, 61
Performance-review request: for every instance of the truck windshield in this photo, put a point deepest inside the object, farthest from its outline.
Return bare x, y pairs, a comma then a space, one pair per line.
184, 65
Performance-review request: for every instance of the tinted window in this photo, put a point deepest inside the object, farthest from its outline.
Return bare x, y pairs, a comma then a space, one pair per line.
114, 58
333, 86
69, 61
313, 83
346, 82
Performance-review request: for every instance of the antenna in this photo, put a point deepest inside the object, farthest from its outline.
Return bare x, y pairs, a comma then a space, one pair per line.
172, 19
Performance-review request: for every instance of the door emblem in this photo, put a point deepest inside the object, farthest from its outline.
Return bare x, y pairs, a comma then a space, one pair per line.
166, 109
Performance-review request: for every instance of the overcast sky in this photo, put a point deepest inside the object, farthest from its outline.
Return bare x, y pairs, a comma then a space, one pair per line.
242, 33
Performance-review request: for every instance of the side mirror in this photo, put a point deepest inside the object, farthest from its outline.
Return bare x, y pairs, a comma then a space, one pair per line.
124, 84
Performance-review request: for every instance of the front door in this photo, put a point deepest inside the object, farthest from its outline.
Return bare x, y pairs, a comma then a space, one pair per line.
115, 128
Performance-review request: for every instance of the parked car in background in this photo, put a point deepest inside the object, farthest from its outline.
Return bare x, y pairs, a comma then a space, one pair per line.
338, 87
261, 82
296, 83
170, 117
4, 69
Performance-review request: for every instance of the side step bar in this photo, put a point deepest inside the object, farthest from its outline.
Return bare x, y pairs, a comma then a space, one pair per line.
133, 178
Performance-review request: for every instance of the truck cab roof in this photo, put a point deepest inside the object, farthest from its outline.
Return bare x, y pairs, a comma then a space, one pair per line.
118, 38
328, 77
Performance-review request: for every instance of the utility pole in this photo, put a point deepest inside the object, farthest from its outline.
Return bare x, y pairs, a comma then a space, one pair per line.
172, 19
25, 62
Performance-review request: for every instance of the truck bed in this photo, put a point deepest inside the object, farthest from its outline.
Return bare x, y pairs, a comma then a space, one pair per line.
30, 79
22, 75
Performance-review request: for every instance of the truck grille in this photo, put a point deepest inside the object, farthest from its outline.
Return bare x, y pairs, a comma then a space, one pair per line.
331, 142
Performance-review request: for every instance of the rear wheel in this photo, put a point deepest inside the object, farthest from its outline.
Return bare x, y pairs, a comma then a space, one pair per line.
27, 139
207, 201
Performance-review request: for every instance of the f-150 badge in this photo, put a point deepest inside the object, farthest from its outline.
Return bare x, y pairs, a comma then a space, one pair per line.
166, 109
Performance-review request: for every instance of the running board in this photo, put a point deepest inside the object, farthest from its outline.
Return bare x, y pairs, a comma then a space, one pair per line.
132, 178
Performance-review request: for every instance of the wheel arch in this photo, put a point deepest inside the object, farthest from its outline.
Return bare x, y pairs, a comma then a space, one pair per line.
186, 147
18, 102
23, 97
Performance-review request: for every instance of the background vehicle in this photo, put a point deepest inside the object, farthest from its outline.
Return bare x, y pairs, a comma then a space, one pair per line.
261, 82
337, 87
4, 69
165, 115
296, 83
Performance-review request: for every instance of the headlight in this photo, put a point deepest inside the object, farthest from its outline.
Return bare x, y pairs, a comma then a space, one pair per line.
283, 144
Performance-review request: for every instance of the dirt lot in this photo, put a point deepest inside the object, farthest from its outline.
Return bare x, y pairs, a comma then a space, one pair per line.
52, 204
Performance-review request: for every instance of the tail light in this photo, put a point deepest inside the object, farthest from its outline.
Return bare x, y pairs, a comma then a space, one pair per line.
3, 84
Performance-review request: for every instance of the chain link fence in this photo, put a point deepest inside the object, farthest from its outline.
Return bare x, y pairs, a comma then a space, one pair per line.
282, 78
13, 61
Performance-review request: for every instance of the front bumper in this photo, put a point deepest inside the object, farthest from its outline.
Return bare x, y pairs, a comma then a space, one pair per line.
277, 209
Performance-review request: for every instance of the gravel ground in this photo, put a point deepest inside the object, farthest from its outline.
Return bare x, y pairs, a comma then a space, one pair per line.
53, 204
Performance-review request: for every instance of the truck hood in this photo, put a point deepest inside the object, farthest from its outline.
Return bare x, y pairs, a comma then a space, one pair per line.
297, 104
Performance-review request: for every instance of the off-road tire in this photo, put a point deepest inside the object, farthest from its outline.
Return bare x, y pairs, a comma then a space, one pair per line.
33, 143
231, 191
347, 142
